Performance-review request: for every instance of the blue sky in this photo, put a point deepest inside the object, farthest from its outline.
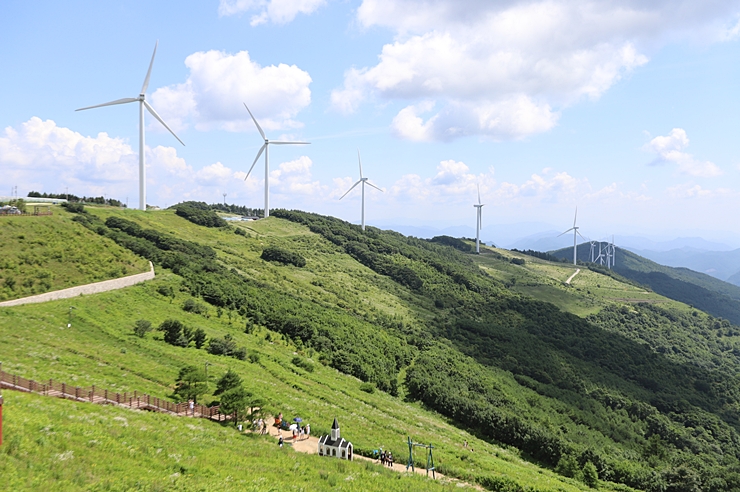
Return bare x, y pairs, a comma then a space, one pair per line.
627, 109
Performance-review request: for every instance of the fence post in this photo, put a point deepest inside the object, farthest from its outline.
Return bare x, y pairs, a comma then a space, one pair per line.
92, 393
64, 389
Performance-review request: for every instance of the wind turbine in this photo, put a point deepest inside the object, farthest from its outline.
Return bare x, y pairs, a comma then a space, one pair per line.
575, 237
142, 104
364, 182
479, 222
266, 149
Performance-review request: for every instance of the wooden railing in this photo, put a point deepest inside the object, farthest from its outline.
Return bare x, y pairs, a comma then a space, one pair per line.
104, 397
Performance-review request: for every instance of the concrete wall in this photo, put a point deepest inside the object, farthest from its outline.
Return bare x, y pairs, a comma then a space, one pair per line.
97, 287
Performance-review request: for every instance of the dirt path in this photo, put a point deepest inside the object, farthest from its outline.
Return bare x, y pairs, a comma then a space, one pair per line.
574, 274
310, 445
94, 288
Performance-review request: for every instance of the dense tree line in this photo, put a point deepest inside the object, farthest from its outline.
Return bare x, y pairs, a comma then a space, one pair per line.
199, 213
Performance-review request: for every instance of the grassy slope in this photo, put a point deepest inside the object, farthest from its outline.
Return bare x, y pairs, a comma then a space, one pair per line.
100, 349
705, 292
59, 445
587, 294
46, 253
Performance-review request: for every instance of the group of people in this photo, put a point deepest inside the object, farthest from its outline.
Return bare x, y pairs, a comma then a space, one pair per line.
386, 458
301, 432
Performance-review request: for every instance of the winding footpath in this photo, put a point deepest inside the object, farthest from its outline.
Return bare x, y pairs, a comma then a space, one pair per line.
94, 288
574, 274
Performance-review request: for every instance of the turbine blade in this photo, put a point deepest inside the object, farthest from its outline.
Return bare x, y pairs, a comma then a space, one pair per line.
262, 149
255, 122
564, 232
479, 195
289, 143
581, 235
117, 101
149, 72
353, 187
154, 113
359, 160
575, 217
370, 184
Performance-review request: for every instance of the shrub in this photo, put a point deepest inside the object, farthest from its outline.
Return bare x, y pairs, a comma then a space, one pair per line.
199, 337
199, 213
302, 363
142, 327
254, 357
279, 255
75, 208
590, 475
193, 306
173, 332
367, 387
518, 261
453, 242
226, 346
166, 291
240, 231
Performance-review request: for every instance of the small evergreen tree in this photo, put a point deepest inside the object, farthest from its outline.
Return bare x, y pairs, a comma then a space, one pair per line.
199, 337
190, 384
228, 381
142, 327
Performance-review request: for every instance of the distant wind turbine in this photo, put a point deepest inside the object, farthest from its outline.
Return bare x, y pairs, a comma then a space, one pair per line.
478, 222
266, 149
575, 236
142, 103
364, 182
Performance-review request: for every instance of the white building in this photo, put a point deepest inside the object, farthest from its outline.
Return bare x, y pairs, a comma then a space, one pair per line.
335, 445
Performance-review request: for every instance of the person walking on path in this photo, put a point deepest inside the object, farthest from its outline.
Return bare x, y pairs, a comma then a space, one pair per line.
191, 407
280, 441
308, 431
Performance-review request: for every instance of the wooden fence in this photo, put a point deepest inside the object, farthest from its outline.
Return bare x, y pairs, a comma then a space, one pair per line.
104, 397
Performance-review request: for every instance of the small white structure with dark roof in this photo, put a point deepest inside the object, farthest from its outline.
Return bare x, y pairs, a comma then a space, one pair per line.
334, 445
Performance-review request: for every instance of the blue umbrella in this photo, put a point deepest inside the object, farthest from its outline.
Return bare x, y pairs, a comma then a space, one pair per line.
297, 419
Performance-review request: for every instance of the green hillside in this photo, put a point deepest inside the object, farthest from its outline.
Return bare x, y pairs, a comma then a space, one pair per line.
714, 296
643, 393
46, 253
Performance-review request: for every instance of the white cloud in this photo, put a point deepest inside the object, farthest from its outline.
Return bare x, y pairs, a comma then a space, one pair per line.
669, 149
275, 11
545, 187
498, 69
219, 83
294, 177
453, 182
690, 190
42, 154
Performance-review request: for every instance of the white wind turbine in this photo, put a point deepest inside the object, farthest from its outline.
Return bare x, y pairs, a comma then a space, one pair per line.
479, 222
575, 236
142, 103
364, 182
266, 149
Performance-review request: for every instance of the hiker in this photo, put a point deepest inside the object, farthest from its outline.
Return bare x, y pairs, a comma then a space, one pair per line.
382, 457
301, 432
389, 459
280, 441
308, 431
191, 406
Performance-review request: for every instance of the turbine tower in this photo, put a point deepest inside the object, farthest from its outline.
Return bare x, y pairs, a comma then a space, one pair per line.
142, 104
575, 237
364, 182
266, 149
479, 222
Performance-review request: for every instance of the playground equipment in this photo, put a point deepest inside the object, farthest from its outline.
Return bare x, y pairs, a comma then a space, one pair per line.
430, 457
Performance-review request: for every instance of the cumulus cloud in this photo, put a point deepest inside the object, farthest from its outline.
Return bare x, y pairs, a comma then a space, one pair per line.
453, 182
41, 153
275, 11
219, 82
294, 178
669, 149
505, 69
